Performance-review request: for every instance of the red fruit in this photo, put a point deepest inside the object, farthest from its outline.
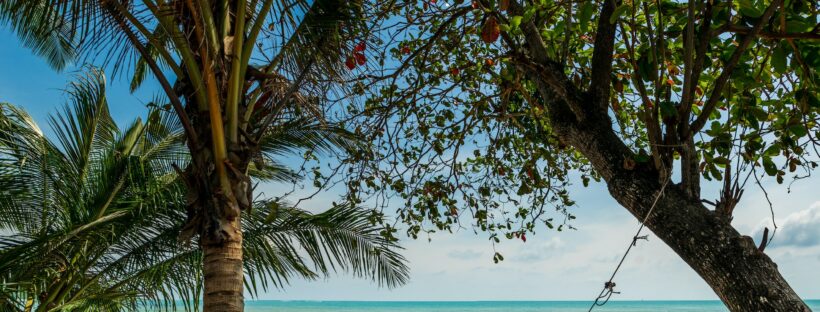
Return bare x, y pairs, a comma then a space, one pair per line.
455, 71
524, 237
360, 58
350, 63
489, 62
475, 5
360, 47
490, 31
670, 82
432, 1
405, 50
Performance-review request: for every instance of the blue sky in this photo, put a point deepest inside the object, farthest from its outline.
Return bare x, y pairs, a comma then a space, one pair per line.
569, 265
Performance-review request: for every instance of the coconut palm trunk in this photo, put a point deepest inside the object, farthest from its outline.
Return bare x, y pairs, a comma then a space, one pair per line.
222, 267
217, 221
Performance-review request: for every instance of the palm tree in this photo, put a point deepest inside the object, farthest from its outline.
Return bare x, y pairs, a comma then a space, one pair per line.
224, 104
90, 221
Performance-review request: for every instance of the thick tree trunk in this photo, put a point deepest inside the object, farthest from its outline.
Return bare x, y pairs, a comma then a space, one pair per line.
222, 269
214, 216
743, 277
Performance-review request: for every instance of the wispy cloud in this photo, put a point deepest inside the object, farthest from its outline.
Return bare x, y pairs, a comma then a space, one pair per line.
799, 229
540, 251
465, 254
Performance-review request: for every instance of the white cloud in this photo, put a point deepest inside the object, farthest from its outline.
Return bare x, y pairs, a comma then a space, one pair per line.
465, 254
799, 229
540, 251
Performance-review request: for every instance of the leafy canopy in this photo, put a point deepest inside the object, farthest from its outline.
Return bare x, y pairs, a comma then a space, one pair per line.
720, 91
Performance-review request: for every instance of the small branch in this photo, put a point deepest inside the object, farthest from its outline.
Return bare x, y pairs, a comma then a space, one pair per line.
688, 54
765, 241
723, 79
549, 71
742, 30
601, 81
704, 35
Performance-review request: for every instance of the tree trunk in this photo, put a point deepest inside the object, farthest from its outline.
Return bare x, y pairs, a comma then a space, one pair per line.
214, 215
743, 277
222, 269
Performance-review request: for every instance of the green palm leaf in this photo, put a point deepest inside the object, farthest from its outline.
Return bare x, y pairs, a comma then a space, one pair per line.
90, 222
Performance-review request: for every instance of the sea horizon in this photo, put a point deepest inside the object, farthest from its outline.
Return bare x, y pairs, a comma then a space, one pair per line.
312, 305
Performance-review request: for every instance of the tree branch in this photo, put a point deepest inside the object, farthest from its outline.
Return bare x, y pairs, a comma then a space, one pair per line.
688, 55
704, 35
548, 70
723, 79
601, 80
690, 170
742, 30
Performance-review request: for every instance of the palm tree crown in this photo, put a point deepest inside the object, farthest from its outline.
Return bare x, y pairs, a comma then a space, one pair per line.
91, 220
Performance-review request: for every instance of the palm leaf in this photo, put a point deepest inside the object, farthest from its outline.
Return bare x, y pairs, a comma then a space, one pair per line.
91, 222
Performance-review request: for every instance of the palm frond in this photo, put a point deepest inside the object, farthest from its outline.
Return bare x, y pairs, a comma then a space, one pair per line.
343, 238
85, 127
45, 33
300, 134
321, 36
91, 222
73, 30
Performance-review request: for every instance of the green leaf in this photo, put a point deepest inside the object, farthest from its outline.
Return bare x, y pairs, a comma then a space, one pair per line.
769, 166
515, 21
715, 173
794, 26
668, 109
620, 10
773, 150
750, 8
524, 189
529, 13
778, 60
585, 14
798, 130
721, 160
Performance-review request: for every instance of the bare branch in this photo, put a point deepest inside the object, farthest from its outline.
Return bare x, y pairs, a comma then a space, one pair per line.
601, 80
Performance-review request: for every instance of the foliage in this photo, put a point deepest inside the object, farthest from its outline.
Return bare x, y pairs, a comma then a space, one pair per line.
91, 220
241, 68
461, 128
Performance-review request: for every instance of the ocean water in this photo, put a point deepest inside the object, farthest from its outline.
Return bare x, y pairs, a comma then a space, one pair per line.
489, 306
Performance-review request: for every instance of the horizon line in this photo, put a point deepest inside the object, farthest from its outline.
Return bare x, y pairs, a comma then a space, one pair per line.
499, 300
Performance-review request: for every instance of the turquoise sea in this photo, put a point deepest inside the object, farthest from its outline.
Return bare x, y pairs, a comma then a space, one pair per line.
488, 306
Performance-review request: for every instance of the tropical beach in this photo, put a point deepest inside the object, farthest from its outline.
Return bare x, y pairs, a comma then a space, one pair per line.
489, 155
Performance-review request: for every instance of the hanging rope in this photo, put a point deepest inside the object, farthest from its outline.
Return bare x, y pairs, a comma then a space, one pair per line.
609, 286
